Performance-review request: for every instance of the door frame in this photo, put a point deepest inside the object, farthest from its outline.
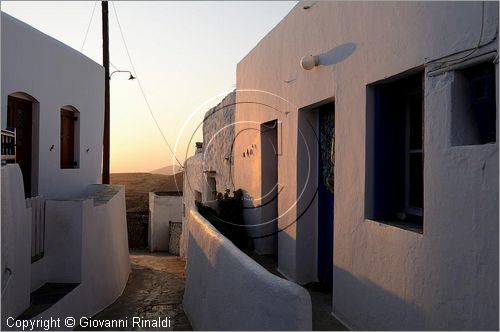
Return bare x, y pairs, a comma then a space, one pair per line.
35, 131
307, 237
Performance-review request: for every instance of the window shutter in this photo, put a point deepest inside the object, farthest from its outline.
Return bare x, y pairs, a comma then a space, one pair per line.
67, 139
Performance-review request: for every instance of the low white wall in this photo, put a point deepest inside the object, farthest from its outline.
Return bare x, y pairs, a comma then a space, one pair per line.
62, 259
16, 244
193, 182
104, 259
227, 290
163, 209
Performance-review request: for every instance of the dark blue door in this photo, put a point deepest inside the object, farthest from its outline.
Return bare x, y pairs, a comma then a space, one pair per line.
326, 165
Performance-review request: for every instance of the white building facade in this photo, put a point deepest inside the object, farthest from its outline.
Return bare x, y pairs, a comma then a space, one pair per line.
41, 79
61, 228
375, 171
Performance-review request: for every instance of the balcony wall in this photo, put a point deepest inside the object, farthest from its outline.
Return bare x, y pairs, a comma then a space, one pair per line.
85, 243
16, 244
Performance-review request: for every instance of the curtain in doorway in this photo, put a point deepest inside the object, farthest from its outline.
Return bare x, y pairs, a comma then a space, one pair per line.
327, 146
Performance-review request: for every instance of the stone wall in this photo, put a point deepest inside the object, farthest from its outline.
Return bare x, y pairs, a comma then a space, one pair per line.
218, 138
214, 159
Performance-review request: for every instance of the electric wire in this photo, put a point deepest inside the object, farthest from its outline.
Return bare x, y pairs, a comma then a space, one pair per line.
474, 49
112, 65
87, 33
88, 27
141, 88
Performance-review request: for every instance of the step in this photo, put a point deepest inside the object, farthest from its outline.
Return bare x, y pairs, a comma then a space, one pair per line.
45, 297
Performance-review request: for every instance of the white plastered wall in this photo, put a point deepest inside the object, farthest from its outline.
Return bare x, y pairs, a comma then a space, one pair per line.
16, 244
384, 277
100, 253
193, 184
56, 76
227, 290
163, 209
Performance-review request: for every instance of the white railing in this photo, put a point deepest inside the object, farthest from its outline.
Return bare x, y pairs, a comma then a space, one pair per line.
37, 205
8, 145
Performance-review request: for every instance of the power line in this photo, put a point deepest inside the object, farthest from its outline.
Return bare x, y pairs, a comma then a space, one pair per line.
474, 49
88, 27
140, 85
87, 33
478, 42
112, 65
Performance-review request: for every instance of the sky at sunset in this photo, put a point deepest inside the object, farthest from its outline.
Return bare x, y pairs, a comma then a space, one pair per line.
184, 53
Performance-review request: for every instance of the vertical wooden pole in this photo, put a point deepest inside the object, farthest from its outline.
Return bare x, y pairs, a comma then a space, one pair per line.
105, 60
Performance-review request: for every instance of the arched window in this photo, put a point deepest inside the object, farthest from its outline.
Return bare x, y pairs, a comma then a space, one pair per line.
70, 137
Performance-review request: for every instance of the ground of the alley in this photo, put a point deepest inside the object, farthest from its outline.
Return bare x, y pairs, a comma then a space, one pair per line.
154, 289
156, 286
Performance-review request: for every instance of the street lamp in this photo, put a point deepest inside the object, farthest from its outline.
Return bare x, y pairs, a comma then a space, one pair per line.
132, 77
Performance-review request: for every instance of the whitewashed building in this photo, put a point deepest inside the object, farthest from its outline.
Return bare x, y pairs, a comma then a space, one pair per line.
61, 230
165, 217
366, 141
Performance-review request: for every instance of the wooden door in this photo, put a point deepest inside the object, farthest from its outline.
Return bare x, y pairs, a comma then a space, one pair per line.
67, 139
19, 116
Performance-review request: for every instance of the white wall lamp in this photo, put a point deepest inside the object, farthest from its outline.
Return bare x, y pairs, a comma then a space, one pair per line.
310, 61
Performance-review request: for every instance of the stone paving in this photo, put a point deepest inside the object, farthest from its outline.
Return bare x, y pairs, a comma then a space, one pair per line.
154, 289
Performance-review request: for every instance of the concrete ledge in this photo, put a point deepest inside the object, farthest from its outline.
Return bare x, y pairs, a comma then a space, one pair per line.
227, 290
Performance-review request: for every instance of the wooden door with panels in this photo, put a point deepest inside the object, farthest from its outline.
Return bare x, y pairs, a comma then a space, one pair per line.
20, 117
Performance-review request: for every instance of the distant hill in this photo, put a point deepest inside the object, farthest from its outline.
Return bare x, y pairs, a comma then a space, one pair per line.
167, 170
138, 185
137, 188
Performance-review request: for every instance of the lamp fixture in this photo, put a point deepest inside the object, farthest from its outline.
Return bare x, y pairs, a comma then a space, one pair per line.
132, 77
310, 61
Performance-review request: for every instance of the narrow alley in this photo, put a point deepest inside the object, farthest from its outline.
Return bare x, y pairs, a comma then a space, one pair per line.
154, 289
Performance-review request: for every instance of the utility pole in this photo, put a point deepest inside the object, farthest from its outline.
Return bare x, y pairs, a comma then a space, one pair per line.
105, 60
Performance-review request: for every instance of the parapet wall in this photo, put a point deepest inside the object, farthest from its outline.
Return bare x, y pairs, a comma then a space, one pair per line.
227, 290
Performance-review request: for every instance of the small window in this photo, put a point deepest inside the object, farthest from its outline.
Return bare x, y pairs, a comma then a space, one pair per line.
474, 106
197, 196
397, 156
69, 138
212, 188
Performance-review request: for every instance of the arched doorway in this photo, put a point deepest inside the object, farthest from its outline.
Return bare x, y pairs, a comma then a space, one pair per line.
21, 117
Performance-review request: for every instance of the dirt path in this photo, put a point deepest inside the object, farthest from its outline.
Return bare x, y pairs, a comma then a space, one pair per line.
154, 289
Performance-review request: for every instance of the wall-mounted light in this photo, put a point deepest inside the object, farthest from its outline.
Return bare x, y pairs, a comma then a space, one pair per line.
309, 6
132, 77
310, 61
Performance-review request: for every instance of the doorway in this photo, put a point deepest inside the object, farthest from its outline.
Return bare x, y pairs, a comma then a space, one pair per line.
269, 188
20, 117
326, 167
315, 198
